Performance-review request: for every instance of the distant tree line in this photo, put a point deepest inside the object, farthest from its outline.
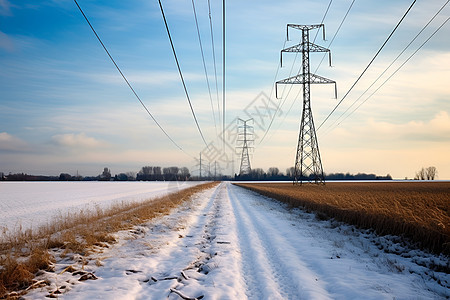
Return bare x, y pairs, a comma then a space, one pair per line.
274, 174
156, 173
149, 173
146, 173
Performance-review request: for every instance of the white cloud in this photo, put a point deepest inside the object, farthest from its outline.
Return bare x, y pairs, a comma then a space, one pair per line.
396, 147
437, 129
143, 77
11, 143
5, 8
6, 42
73, 140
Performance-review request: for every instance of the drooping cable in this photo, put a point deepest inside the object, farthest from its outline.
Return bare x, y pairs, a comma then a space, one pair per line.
323, 19
214, 59
335, 34
126, 80
296, 54
204, 64
181, 74
280, 104
385, 70
290, 73
370, 63
223, 73
401, 66
332, 40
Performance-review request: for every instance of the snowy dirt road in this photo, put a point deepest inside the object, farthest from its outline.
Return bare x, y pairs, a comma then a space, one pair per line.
230, 243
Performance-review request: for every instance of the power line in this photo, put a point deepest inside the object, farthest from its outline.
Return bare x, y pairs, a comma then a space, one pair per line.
401, 66
181, 74
331, 42
323, 19
214, 58
126, 80
204, 64
290, 73
390, 65
270, 97
370, 63
335, 34
314, 40
223, 71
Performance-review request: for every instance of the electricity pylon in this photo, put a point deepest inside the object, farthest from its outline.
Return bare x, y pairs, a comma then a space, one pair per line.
308, 165
245, 135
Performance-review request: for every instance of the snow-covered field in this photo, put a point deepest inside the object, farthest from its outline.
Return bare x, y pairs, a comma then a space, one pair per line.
230, 243
30, 204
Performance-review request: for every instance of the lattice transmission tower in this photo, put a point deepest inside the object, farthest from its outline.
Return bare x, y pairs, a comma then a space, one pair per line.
245, 137
308, 165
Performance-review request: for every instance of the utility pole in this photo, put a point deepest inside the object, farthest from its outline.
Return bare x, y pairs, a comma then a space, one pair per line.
244, 131
308, 165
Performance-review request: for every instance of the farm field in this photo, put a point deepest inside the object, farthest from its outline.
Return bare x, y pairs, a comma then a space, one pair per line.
25, 205
227, 242
419, 210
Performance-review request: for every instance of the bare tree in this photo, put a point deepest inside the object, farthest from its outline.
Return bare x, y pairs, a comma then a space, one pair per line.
273, 171
131, 176
145, 173
290, 172
431, 172
420, 175
184, 173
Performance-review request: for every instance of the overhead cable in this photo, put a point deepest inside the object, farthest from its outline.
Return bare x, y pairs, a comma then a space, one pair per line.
214, 59
280, 104
223, 73
323, 19
290, 73
181, 74
390, 65
335, 34
126, 80
296, 53
370, 63
401, 66
204, 64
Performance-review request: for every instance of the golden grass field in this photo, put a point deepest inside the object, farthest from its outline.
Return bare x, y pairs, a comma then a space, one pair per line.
419, 211
23, 253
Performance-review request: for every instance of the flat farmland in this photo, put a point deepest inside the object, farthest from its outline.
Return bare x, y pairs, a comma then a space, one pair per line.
419, 211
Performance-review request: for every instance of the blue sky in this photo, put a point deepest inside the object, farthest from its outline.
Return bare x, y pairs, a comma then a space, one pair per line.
65, 108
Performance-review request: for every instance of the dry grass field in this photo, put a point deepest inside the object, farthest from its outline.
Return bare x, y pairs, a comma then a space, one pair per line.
23, 253
419, 211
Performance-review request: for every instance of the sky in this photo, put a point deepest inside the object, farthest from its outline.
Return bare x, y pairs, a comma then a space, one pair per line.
64, 107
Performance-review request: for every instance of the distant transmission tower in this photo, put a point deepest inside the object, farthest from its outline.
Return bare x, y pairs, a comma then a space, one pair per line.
245, 136
308, 166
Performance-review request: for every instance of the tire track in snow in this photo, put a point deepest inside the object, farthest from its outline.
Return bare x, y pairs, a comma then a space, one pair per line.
271, 255
254, 263
194, 245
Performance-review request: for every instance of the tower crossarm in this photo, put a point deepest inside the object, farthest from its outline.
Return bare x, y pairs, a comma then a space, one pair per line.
312, 48
299, 47
301, 79
304, 27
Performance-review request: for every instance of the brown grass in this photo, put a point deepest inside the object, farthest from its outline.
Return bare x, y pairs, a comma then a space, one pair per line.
25, 252
419, 211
